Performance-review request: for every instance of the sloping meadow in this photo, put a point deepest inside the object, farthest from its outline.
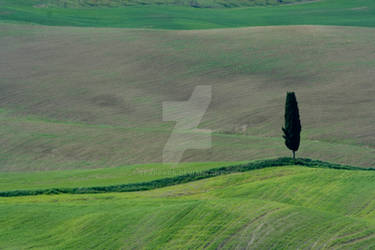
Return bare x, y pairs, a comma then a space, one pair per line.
90, 97
279, 207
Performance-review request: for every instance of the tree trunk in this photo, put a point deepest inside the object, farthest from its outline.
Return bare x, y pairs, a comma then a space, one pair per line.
294, 155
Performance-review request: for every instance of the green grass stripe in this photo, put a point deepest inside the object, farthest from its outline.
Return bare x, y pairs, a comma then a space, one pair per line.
323, 12
142, 186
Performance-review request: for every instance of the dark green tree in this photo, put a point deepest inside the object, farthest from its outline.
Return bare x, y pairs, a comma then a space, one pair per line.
292, 127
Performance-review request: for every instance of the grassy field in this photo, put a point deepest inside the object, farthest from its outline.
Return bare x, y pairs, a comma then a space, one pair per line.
101, 177
274, 208
92, 98
85, 103
324, 12
190, 3
141, 178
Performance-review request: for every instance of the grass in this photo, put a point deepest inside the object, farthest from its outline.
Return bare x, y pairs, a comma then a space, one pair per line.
100, 177
325, 12
77, 98
147, 183
285, 207
195, 3
63, 108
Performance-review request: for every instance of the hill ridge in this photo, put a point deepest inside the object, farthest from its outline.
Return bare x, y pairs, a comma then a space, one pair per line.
171, 181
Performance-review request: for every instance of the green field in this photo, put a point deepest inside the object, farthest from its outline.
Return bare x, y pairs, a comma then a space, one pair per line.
82, 84
274, 208
323, 12
189, 3
75, 97
79, 97
100, 177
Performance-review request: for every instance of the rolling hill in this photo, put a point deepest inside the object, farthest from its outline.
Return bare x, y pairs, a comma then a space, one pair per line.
82, 84
281, 207
89, 97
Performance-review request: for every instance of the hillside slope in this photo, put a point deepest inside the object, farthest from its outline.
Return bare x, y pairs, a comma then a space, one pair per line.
282, 207
90, 97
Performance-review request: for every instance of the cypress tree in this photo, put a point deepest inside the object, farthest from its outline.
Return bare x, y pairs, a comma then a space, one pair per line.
292, 127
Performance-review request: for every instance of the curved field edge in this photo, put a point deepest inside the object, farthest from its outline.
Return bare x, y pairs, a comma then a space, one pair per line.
105, 176
325, 12
164, 182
